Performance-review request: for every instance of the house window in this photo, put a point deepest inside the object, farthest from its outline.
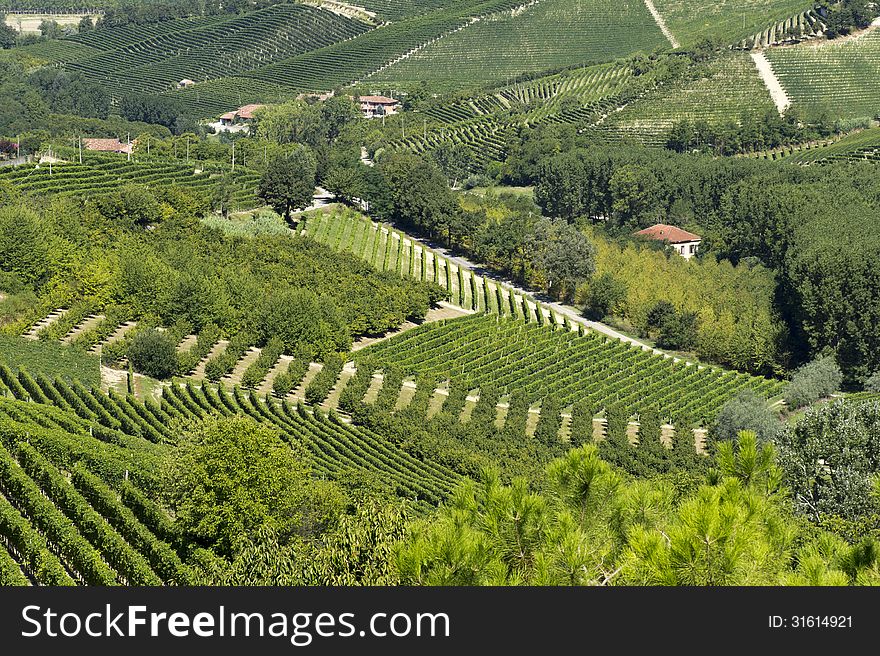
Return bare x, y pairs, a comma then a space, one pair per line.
693, 248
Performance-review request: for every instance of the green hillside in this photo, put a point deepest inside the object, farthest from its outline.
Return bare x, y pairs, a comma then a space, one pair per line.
154, 57
541, 36
838, 78
729, 21
720, 90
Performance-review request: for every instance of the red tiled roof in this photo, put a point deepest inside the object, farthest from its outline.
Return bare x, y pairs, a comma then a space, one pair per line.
247, 112
106, 145
663, 232
228, 116
378, 100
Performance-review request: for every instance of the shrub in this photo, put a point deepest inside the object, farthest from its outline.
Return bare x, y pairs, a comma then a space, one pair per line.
153, 353
812, 382
745, 411
605, 295
873, 382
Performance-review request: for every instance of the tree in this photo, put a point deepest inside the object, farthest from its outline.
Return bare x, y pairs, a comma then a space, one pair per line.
813, 381
745, 412
605, 297
831, 458
454, 161
7, 34
617, 424
132, 205
300, 319
295, 122
24, 244
636, 193
650, 430
873, 382
346, 183
672, 329
153, 354
289, 181
229, 478
85, 25
417, 193
563, 254
582, 414
337, 113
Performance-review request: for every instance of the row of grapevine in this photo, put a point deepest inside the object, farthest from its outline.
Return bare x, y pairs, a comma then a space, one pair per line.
154, 61
514, 355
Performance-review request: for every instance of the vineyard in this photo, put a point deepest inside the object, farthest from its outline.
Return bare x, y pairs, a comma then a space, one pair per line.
544, 35
390, 250
153, 58
76, 478
541, 361
834, 78
860, 146
730, 21
483, 123
729, 86
395, 10
103, 175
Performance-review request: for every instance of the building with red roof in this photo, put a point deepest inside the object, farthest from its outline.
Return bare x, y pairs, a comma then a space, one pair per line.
378, 106
685, 243
107, 145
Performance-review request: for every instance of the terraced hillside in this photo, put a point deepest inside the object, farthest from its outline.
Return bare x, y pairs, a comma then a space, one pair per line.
727, 87
538, 361
153, 58
729, 21
579, 96
839, 79
542, 35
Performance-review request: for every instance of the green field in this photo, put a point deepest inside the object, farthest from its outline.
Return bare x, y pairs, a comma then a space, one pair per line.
79, 470
548, 35
839, 79
730, 21
51, 359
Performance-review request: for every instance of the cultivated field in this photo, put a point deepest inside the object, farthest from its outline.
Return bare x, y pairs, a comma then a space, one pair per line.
543, 35
838, 79
730, 21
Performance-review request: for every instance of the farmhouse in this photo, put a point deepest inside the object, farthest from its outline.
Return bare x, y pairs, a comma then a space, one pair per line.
108, 145
378, 106
185, 83
685, 243
237, 120
241, 116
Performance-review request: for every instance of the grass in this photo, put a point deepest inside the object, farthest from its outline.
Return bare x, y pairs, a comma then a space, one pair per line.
528, 192
51, 359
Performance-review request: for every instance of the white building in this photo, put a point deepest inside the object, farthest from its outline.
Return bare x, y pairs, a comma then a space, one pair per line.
685, 243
